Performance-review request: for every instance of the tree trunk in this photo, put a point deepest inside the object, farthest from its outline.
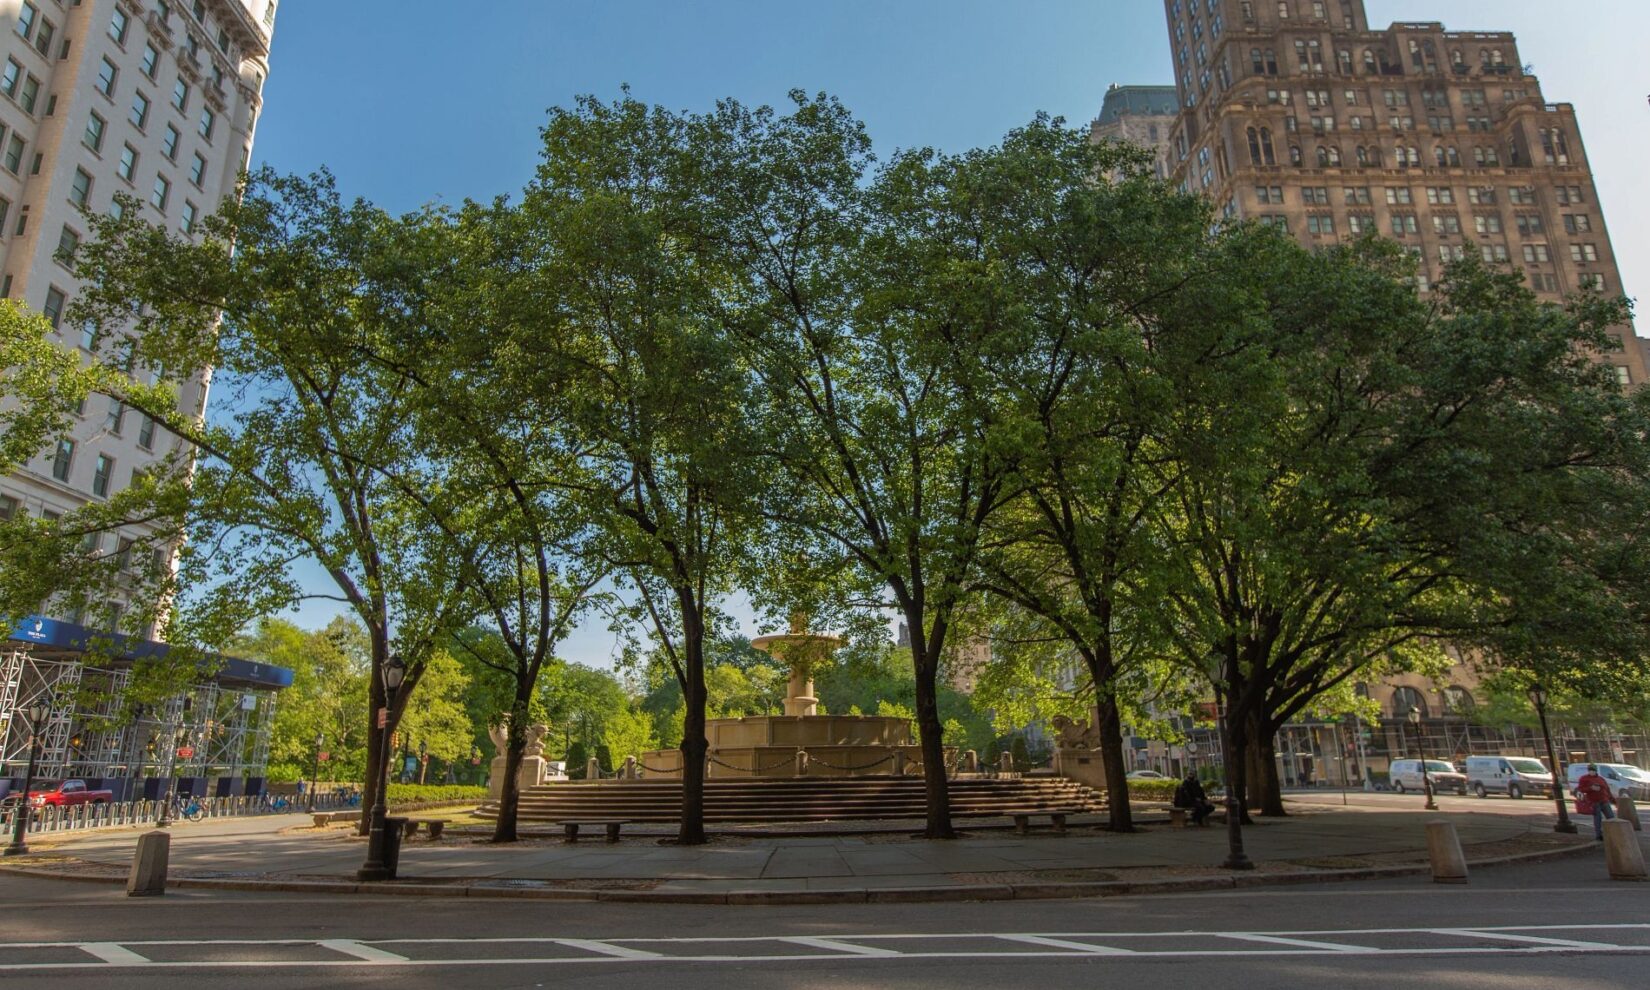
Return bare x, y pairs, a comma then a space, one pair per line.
1110, 726
930, 735
509, 795
377, 751
1235, 741
1265, 788
695, 746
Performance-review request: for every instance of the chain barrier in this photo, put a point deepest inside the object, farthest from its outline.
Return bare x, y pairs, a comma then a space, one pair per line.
644, 766
785, 761
850, 769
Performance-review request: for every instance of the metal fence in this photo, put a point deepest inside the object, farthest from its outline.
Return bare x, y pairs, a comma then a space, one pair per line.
53, 818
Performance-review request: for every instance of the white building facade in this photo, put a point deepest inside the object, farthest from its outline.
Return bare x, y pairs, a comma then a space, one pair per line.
157, 99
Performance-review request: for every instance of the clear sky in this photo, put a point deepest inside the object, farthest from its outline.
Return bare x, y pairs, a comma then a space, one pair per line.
409, 101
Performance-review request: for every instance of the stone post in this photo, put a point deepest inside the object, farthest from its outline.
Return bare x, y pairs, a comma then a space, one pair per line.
899, 762
801, 763
593, 769
148, 876
1005, 763
1628, 811
1622, 855
970, 762
1449, 865
630, 768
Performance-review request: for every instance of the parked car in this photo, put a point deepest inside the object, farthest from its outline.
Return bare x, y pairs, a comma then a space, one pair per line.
1514, 776
1145, 775
1623, 779
1406, 776
69, 792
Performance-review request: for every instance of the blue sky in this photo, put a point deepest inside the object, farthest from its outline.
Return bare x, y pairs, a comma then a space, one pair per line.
410, 101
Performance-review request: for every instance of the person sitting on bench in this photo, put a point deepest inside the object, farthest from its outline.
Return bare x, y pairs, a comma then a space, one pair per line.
1190, 795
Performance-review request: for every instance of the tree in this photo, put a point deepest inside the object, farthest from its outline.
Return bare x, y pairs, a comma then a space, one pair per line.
629, 733
871, 319
656, 393
287, 296
329, 684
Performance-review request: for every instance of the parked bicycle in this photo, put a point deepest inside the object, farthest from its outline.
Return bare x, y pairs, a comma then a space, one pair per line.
188, 808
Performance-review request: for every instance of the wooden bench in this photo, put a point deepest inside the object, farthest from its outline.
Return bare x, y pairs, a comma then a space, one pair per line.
1182, 817
1022, 820
611, 824
435, 825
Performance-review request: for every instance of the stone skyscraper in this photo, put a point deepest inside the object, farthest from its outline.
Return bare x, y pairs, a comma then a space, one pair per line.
1296, 113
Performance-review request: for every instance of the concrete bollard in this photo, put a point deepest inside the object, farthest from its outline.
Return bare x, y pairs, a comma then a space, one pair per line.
148, 877
1449, 864
1628, 811
1622, 855
970, 762
1005, 763
593, 769
801, 763
630, 768
899, 763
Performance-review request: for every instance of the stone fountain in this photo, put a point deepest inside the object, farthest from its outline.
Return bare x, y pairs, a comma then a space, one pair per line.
772, 745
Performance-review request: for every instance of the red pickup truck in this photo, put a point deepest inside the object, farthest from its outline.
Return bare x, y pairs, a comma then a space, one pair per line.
67, 793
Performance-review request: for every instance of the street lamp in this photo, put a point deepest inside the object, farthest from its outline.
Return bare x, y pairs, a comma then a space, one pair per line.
1421, 747
1236, 858
1538, 698
315, 769
165, 819
36, 714
375, 868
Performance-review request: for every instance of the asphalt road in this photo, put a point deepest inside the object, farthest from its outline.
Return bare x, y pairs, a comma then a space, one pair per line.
1539, 926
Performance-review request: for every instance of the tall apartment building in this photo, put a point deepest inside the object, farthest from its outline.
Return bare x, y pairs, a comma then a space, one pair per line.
1297, 113
1139, 115
156, 99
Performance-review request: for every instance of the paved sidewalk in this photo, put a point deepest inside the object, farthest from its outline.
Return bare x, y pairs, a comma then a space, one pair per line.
1320, 839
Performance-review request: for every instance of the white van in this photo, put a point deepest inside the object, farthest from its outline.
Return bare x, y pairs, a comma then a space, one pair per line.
1514, 776
1623, 778
1406, 776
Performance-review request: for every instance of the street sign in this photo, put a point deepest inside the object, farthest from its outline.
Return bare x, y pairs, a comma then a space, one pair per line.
322, 756
383, 717
185, 752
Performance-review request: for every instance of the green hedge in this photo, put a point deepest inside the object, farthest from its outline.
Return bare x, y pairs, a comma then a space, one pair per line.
424, 793
1152, 790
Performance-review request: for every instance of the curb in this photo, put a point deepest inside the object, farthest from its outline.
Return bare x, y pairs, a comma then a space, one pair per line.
847, 895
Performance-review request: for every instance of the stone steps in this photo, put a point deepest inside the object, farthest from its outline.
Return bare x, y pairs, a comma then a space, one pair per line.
800, 799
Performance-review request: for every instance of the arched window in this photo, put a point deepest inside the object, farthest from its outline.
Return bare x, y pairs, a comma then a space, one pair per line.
1323, 157
1254, 146
1458, 700
1271, 62
1256, 61
1344, 59
1334, 156
1495, 57
1294, 154
1369, 62
1438, 155
1283, 9
1453, 154
1455, 57
1363, 155
1266, 146
1414, 158
1405, 698
1483, 56
1375, 155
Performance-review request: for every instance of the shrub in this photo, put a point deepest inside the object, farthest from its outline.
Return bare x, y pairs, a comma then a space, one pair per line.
422, 793
1152, 790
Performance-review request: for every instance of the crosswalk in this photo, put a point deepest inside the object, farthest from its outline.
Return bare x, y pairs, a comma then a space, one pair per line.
877, 947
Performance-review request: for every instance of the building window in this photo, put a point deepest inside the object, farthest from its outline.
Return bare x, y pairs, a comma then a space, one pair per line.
11, 78
1534, 253
106, 75
180, 95
1575, 223
209, 120
26, 18
14, 156
1320, 224
169, 143
128, 163
117, 27
53, 310
162, 192
80, 189
140, 111
146, 433
8, 508
63, 459
1583, 252
1623, 375
197, 170
100, 477
115, 419
151, 62
187, 224
68, 242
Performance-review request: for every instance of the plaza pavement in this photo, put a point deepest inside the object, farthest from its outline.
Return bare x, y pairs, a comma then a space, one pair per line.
1321, 839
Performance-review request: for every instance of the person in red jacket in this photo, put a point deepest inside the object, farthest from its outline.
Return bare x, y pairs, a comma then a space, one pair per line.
1594, 797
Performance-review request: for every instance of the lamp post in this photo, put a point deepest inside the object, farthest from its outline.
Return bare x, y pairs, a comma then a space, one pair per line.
165, 819
375, 868
1421, 747
315, 769
36, 714
1538, 698
1236, 858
